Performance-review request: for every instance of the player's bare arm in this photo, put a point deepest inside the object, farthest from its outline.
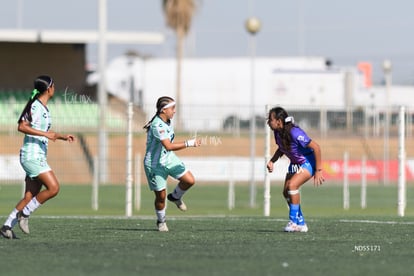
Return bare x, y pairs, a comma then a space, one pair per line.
180, 145
25, 128
274, 158
318, 178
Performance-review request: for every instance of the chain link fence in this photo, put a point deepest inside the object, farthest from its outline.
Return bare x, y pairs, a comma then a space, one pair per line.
224, 130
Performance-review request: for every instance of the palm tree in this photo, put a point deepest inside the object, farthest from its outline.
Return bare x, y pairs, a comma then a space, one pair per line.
178, 14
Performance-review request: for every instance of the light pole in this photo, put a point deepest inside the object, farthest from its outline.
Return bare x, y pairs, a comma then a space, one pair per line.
252, 26
102, 96
387, 67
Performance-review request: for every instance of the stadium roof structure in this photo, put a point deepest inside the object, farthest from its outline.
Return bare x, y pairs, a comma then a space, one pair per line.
76, 36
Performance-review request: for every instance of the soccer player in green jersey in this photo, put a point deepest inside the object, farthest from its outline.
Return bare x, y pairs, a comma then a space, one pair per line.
35, 123
160, 160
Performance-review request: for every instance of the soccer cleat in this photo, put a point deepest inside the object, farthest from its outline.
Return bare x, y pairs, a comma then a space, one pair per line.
290, 227
162, 226
7, 232
293, 227
303, 228
180, 204
23, 222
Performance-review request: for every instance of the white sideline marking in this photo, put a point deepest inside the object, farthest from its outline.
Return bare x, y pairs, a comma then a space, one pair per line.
152, 217
142, 217
376, 221
201, 217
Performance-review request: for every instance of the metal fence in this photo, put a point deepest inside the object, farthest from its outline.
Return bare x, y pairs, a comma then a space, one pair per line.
225, 133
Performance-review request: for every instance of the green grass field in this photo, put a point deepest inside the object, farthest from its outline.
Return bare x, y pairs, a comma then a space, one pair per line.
69, 238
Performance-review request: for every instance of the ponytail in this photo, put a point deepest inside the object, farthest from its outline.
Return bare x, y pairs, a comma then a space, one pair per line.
41, 84
288, 124
148, 124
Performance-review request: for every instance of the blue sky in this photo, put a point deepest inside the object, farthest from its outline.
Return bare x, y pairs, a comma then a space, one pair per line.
344, 31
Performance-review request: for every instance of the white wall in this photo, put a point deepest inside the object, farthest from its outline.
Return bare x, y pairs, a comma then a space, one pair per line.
216, 88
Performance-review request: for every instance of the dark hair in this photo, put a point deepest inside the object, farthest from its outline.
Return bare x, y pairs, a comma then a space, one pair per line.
41, 84
161, 102
284, 133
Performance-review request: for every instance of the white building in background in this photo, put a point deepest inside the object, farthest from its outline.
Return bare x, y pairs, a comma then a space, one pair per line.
218, 89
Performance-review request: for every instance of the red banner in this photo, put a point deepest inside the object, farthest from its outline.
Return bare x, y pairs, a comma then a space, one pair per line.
374, 170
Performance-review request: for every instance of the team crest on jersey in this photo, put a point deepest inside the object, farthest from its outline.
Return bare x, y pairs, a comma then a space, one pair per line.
301, 138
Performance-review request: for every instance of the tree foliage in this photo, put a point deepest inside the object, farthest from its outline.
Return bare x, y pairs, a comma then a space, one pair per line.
179, 14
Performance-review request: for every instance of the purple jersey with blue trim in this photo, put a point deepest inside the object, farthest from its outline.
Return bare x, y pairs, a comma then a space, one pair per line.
298, 148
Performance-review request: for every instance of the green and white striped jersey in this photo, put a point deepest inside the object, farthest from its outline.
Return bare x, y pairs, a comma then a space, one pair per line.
156, 154
39, 118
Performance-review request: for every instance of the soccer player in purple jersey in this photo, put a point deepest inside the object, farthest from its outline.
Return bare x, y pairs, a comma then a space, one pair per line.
305, 161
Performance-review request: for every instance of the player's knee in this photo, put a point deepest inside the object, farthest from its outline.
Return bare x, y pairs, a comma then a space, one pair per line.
191, 181
159, 203
27, 197
54, 190
160, 197
293, 186
188, 180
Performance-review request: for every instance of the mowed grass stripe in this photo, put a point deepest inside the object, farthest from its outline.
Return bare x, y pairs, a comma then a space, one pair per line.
208, 246
211, 200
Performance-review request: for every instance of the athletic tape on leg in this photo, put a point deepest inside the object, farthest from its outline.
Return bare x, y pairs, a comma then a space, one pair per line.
293, 192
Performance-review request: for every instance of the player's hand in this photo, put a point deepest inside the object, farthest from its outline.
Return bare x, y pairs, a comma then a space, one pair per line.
270, 166
70, 138
318, 178
193, 142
